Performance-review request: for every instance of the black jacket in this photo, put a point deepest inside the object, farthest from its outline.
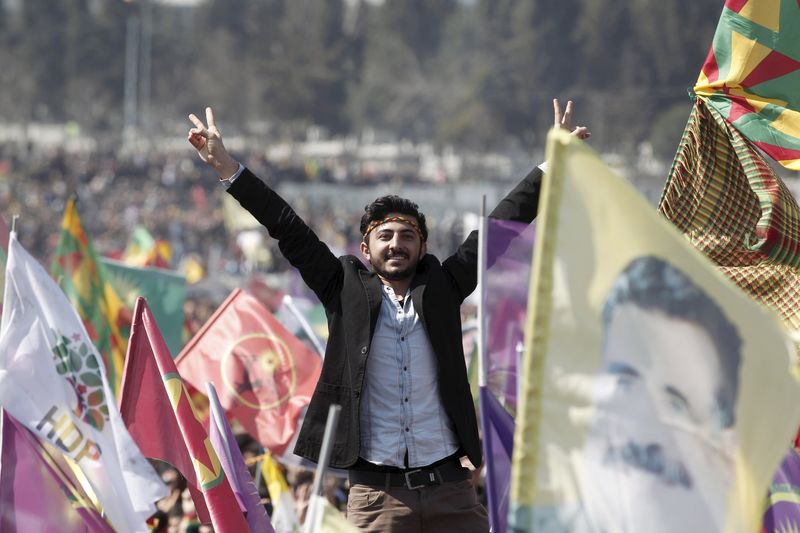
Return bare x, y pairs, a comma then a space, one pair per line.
351, 295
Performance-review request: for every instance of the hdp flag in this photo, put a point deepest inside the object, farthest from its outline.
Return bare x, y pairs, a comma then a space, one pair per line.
723, 196
161, 418
649, 380
236, 471
509, 247
164, 290
752, 74
266, 375
36, 492
497, 428
783, 513
284, 511
53, 381
84, 280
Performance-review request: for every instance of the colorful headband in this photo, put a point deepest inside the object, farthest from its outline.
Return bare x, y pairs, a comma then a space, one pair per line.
375, 223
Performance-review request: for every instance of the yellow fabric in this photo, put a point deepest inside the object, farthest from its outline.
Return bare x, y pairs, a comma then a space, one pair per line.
592, 224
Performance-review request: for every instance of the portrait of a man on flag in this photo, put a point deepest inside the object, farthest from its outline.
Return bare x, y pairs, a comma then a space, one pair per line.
659, 430
643, 397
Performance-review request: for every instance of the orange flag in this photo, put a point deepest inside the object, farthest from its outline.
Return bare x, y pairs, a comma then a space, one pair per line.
264, 375
164, 423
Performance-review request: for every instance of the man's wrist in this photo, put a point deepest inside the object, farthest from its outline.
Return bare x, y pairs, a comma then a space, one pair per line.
228, 181
226, 170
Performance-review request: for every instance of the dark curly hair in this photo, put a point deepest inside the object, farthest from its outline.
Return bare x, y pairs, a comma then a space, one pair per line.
384, 205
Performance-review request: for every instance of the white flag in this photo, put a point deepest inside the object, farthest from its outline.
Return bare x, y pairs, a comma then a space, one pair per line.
52, 380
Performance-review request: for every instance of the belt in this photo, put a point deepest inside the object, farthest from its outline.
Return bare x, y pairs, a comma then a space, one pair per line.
414, 478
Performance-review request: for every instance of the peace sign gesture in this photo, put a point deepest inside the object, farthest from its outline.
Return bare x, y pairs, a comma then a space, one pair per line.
564, 121
208, 143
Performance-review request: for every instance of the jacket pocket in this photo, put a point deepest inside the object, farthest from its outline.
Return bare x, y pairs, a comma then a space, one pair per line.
325, 395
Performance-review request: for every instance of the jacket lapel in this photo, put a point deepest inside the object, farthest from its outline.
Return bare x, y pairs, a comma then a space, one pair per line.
372, 288
418, 285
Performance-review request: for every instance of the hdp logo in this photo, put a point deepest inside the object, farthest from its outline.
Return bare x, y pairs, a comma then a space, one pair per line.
78, 364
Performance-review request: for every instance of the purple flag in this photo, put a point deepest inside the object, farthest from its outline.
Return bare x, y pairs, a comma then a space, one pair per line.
223, 441
498, 443
509, 249
783, 513
36, 493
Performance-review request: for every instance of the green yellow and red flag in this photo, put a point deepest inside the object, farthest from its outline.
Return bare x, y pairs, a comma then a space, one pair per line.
84, 280
164, 423
752, 74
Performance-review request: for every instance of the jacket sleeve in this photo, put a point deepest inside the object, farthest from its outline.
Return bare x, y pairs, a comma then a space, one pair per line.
319, 267
520, 205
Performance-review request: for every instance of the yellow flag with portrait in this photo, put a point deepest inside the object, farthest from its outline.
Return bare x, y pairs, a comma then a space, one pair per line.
656, 396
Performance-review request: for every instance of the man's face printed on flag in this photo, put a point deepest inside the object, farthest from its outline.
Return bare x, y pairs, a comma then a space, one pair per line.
660, 448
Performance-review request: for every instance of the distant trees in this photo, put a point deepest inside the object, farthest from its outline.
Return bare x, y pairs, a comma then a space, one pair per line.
478, 73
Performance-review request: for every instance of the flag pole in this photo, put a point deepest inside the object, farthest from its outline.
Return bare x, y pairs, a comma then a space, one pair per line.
483, 371
483, 362
309, 331
312, 520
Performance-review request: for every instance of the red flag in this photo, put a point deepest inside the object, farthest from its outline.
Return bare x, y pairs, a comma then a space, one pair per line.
264, 375
163, 421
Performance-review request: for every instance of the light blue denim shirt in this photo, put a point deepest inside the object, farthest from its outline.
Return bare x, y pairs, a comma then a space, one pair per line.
401, 409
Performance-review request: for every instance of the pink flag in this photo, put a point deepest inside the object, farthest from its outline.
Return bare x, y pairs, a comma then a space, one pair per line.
36, 493
233, 464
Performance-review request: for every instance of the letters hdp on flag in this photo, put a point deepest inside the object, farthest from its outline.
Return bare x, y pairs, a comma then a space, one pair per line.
36, 492
52, 380
162, 420
265, 375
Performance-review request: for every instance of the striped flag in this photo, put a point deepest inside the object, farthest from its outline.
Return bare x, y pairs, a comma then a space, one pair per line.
752, 74
144, 250
83, 279
724, 197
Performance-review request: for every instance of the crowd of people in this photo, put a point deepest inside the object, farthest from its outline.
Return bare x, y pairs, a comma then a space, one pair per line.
176, 199
167, 192
177, 514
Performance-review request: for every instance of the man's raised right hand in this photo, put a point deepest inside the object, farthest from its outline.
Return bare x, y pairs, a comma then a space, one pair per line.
208, 143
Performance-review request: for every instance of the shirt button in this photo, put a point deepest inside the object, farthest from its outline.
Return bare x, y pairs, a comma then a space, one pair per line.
406, 399
405, 368
364, 349
402, 338
406, 429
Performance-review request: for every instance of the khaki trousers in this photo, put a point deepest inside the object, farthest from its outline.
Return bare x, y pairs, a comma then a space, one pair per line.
451, 506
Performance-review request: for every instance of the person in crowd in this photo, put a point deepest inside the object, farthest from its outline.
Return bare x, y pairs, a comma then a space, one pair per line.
394, 360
